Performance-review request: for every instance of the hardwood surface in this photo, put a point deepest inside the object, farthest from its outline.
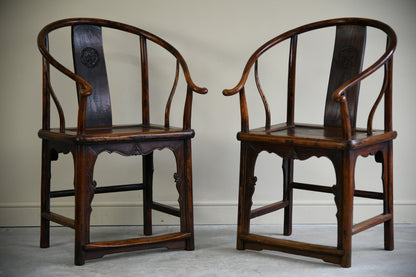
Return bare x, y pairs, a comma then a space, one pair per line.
337, 139
95, 133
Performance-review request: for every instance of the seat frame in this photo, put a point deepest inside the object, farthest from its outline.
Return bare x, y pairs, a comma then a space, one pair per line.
340, 142
93, 136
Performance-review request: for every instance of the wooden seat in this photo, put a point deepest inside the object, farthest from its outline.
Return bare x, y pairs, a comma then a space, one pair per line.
122, 133
95, 133
337, 139
304, 134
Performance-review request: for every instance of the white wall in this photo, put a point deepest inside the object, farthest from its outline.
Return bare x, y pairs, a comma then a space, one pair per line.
216, 39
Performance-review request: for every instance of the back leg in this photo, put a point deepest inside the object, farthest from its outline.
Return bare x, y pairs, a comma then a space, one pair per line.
288, 195
147, 193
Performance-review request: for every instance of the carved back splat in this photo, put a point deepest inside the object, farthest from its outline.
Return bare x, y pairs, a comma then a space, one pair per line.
89, 63
346, 63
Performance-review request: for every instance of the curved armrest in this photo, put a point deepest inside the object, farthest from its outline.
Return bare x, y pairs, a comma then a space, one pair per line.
84, 92
181, 60
339, 94
87, 89
239, 87
253, 61
269, 44
114, 25
191, 84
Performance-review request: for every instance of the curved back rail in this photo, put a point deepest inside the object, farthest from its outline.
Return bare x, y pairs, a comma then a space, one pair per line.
86, 89
338, 91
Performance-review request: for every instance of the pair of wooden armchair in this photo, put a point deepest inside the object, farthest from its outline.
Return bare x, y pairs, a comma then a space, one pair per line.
338, 139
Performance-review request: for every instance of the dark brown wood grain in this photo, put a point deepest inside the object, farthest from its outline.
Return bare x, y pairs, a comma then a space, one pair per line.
95, 133
89, 64
346, 63
337, 138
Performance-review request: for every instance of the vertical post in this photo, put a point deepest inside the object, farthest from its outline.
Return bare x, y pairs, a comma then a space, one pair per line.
345, 119
172, 92
187, 113
291, 82
145, 81
82, 113
388, 98
263, 98
244, 111
46, 98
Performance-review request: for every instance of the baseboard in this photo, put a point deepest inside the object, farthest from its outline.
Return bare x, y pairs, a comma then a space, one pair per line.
114, 213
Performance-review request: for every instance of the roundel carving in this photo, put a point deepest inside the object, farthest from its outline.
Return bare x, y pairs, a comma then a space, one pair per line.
89, 57
348, 57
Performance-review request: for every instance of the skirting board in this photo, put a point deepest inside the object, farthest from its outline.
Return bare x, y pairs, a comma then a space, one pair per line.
112, 213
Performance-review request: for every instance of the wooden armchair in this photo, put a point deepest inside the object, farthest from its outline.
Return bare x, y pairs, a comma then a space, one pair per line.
337, 139
95, 133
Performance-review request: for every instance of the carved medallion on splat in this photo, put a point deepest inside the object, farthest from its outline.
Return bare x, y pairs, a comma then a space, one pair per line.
89, 57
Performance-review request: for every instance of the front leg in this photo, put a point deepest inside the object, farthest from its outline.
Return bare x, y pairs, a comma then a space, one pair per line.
386, 159
84, 160
183, 180
344, 197
248, 158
